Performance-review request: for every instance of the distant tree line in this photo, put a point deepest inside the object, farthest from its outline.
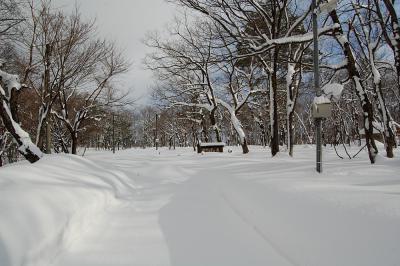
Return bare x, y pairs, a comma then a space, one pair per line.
232, 71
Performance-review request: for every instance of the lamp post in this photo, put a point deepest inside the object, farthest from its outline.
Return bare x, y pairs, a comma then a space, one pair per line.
318, 120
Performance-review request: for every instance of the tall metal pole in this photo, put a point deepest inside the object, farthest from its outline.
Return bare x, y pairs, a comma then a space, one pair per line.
318, 127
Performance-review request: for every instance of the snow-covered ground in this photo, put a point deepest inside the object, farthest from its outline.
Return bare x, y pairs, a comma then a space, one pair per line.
142, 207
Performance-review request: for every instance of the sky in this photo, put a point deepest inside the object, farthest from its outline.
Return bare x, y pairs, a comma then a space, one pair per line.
126, 22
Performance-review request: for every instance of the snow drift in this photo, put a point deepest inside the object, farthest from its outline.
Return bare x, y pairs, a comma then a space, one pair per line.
176, 207
43, 207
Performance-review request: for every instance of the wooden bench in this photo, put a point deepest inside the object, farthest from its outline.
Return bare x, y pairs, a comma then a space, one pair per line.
210, 147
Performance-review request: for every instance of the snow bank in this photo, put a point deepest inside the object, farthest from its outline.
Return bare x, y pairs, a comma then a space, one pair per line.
45, 206
279, 211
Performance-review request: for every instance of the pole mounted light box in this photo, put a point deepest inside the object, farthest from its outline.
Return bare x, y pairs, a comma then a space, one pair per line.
321, 107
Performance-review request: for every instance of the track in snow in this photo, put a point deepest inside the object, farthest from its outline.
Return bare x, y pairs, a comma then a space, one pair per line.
189, 209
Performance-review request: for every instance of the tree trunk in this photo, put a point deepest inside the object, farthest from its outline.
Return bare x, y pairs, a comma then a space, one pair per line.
245, 148
14, 104
22, 139
48, 137
368, 113
41, 136
194, 138
293, 82
263, 133
388, 134
214, 125
290, 134
74, 143
274, 121
395, 41
44, 130
44, 134
204, 134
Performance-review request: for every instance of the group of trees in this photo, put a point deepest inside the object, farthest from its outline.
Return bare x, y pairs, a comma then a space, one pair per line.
247, 65
238, 71
56, 81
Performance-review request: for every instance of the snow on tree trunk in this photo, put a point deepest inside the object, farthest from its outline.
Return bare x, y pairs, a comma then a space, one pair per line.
372, 46
237, 126
354, 75
4, 145
41, 127
25, 146
389, 136
214, 125
204, 133
390, 139
290, 107
395, 40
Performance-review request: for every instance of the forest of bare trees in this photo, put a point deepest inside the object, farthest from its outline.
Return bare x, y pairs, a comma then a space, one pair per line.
233, 71
57, 82
241, 71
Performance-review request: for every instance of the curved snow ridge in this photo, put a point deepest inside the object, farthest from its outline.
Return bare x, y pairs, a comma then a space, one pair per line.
46, 206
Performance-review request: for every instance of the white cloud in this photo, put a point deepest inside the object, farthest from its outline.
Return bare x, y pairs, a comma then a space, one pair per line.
126, 22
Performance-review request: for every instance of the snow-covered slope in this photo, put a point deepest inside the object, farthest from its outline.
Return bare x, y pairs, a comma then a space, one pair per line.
142, 207
45, 206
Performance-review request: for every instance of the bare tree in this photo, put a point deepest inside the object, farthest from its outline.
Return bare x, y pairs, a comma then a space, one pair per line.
390, 31
188, 63
10, 87
260, 29
9, 84
369, 38
81, 102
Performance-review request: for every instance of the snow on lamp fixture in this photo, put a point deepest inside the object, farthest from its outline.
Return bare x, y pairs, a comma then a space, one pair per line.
321, 107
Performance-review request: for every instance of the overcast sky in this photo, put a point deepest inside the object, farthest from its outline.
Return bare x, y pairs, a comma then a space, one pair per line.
126, 22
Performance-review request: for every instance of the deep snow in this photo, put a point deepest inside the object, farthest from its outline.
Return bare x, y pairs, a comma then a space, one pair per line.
142, 207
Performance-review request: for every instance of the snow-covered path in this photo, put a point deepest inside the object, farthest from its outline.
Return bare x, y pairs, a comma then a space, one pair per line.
177, 215
230, 209
129, 233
